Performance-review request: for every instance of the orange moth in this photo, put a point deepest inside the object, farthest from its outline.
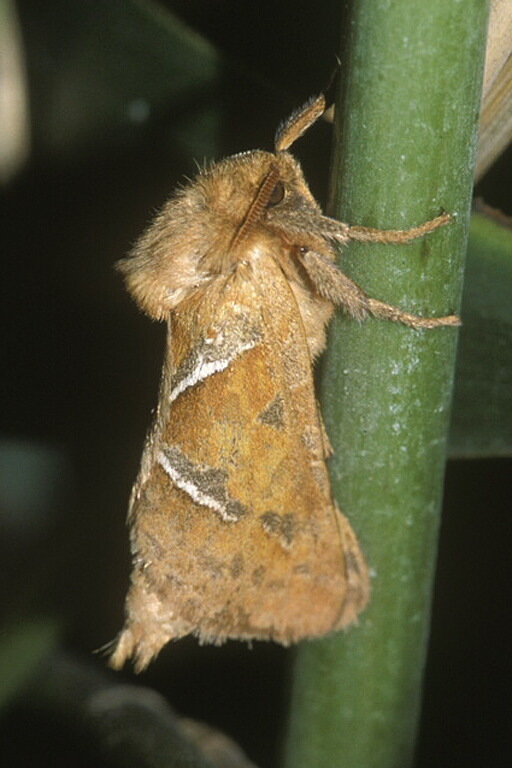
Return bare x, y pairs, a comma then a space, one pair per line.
234, 530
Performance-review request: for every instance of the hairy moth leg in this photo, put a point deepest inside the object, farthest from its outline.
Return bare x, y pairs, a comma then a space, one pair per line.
396, 236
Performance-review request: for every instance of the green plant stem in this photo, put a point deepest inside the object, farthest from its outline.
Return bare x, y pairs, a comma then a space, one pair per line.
406, 136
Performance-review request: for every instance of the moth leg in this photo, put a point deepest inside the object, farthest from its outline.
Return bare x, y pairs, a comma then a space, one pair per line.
385, 311
334, 285
396, 236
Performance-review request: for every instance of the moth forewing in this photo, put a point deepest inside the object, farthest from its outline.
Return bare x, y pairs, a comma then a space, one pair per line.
234, 532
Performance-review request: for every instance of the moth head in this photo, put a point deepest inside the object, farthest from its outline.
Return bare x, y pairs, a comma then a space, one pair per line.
281, 201
232, 210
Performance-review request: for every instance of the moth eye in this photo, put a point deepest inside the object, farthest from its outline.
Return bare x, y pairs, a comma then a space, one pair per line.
277, 195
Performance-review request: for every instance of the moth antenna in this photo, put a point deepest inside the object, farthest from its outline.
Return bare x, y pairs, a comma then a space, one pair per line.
299, 122
258, 204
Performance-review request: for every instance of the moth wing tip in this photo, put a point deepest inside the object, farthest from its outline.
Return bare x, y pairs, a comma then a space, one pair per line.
122, 648
126, 646
358, 591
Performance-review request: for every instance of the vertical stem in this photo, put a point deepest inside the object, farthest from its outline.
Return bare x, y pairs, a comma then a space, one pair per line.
406, 136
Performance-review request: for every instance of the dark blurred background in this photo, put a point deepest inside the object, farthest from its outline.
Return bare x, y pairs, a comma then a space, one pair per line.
122, 100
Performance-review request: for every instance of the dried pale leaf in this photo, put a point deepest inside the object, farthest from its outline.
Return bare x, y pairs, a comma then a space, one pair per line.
496, 115
14, 136
499, 41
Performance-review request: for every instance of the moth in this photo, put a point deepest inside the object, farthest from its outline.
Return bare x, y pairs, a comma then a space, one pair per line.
234, 529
